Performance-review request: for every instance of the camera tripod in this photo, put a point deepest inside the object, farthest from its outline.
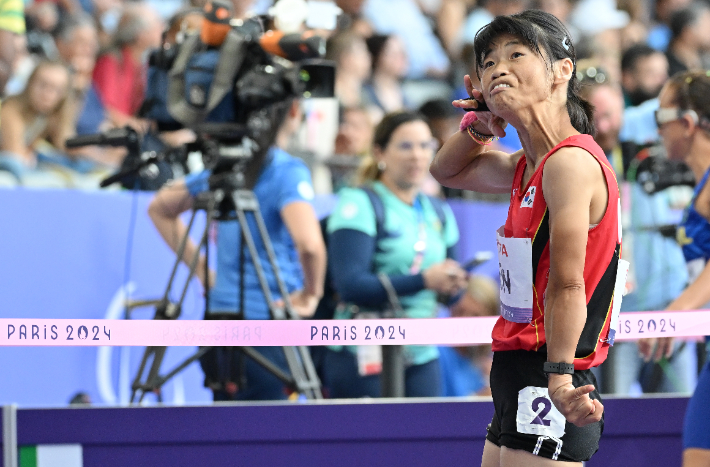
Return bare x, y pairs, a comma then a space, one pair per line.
226, 194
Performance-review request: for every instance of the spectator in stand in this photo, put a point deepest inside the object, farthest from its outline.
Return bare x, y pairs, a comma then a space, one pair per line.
22, 66
42, 19
636, 32
404, 18
78, 43
690, 38
353, 66
465, 370
120, 75
559, 8
12, 23
384, 92
352, 144
600, 39
659, 34
484, 13
414, 251
443, 118
643, 72
449, 20
43, 111
355, 132
64, 6
352, 18
106, 14
608, 102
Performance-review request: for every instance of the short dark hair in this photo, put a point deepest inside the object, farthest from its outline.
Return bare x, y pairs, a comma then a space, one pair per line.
540, 31
71, 23
635, 54
376, 44
439, 108
682, 19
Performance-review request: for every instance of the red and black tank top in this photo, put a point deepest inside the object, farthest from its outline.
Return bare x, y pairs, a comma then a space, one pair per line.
528, 217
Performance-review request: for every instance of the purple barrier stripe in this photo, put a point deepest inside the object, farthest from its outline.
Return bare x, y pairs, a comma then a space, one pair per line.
448, 331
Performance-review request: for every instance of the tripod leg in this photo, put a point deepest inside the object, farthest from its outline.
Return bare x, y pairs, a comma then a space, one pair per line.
269, 366
311, 375
274, 265
178, 259
161, 380
150, 382
136, 385
253, 252
166, 309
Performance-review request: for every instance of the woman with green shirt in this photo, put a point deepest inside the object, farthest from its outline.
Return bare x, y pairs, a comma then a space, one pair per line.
414, 251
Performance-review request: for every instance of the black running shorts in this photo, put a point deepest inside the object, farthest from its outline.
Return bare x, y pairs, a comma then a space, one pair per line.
526, 419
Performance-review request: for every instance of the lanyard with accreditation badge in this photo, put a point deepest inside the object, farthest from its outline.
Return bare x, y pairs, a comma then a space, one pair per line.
420, 244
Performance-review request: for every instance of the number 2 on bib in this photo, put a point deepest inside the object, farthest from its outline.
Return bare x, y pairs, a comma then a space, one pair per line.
537, 415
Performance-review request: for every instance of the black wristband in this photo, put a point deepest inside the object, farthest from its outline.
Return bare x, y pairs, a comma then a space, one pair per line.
560, 368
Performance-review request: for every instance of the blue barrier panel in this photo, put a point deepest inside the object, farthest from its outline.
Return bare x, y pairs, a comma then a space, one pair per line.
425, 433
64, 254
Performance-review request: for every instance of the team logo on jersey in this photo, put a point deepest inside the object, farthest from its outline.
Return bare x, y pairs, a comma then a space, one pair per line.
529, 198
682, 238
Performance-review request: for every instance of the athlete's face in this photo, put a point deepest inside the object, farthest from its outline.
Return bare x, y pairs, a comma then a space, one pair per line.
513, 76
408, 155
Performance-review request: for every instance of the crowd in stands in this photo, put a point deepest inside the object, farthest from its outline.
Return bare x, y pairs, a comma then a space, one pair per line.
77, 67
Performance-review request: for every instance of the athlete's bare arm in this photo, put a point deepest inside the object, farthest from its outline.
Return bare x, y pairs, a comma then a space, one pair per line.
576, 196
462, 163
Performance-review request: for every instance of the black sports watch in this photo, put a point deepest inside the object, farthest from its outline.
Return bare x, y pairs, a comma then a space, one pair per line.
560, 368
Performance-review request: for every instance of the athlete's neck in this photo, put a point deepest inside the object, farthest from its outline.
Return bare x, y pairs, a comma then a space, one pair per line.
539, 137
698, 158
542, 126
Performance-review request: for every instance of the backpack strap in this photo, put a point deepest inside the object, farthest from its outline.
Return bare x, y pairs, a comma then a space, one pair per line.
379, 208
438, 205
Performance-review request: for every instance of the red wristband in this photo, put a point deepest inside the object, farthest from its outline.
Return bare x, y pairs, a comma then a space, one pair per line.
468, 119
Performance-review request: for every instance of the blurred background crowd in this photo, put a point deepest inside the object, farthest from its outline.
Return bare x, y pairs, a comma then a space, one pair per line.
78, 67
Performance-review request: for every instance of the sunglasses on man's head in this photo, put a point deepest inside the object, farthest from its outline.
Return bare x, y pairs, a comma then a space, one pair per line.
671, 114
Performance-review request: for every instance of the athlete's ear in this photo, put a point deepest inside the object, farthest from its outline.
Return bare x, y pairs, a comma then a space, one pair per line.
563, 70
689, 125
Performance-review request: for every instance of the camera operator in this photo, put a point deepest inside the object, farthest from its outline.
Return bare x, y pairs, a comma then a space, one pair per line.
284, 192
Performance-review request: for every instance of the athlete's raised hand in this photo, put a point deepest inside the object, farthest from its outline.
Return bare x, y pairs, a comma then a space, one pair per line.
487, 124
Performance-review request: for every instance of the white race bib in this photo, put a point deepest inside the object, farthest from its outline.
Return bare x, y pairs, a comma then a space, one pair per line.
516, 280
537, 414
